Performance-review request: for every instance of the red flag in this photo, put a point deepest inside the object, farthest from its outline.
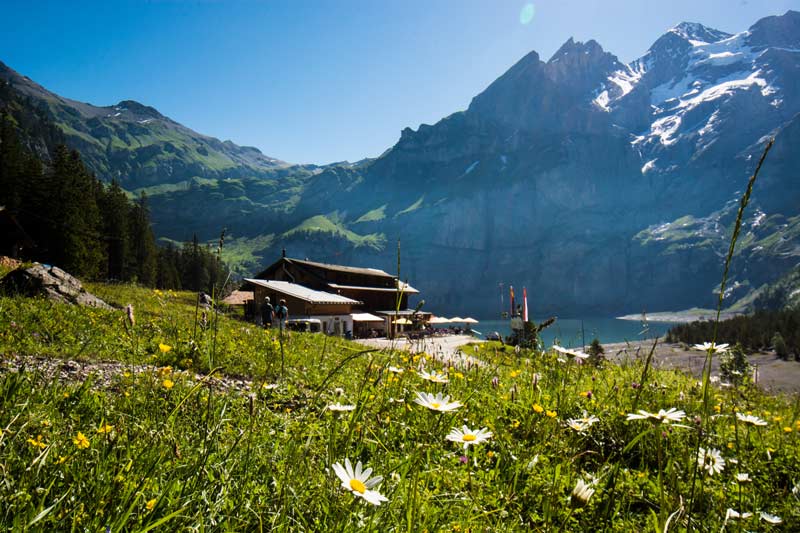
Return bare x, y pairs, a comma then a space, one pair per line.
524, 304
511, 288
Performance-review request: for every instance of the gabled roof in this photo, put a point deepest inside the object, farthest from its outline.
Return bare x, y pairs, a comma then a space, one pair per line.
342, 268
302, 293
406, 288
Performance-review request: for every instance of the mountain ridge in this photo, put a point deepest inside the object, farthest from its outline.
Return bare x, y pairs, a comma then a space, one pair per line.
572, 177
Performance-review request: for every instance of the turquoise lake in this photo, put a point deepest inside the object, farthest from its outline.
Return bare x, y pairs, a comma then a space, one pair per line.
573, 332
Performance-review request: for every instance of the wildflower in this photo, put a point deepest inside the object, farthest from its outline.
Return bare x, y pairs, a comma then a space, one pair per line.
338, 391
711, 460
750, 419
551, 414
770, 518
105, 428
358, 481
571, 353
515, 373
38, 442
787, 429
131, 317
164, 347
339, 407
396, 370
150, 504
664, 417
743, 477
81, 441
269, 386
463, 459
165, 371
712, 347
168, 384
582, 424
468, 436
436, 403
435, 377
581, 493
731, 513
538, 408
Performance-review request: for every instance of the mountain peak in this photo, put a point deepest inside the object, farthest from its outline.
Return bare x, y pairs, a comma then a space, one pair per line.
696, 33
138, 110
779, 31
572, 48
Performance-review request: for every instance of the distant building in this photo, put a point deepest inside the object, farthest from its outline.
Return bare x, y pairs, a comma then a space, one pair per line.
345, 298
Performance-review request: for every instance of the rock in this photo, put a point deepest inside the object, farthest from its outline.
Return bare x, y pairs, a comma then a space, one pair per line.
50, 282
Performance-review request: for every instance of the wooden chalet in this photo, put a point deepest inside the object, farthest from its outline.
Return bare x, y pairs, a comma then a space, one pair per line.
374, 288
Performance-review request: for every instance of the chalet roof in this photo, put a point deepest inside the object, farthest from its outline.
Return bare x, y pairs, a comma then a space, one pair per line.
404, 312
342, 268
238, 297
407, 289
366, 317
302, 293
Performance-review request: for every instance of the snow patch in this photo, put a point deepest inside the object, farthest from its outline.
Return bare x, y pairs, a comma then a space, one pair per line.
145, 121
665, 128
650, 165
602, 101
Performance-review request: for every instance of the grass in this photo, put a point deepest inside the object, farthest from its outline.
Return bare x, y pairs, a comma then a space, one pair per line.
324, 225
161, 448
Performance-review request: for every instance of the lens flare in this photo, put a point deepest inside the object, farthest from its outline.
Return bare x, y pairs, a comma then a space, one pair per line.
527, 14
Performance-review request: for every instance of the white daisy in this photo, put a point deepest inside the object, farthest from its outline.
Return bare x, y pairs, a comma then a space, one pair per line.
571, 353
395, 370
358, 482
339, 407
711, 460
582, 492
665, 417
731, 513
743, 477
436, 403
582, 424
468, 436
436, 377
714, 348
770, 518
750, 419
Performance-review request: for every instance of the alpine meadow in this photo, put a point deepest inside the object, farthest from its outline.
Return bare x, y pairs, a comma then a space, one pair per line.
196, 336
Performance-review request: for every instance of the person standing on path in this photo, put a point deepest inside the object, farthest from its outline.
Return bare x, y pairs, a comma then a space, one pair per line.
282, 314
267, 313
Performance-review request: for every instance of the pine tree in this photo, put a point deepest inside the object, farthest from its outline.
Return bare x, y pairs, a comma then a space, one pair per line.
143, 246
115, 208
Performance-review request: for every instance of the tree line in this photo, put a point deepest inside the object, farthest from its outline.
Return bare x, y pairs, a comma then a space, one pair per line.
763, 330
64, 216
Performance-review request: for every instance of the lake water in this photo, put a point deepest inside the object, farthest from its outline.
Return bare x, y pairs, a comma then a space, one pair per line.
571, 332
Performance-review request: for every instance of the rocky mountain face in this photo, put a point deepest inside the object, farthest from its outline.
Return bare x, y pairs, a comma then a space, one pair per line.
602, 187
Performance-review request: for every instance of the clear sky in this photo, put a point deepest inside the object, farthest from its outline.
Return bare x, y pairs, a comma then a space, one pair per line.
317, 81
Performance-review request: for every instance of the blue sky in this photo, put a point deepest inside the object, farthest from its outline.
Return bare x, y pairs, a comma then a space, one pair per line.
321, 81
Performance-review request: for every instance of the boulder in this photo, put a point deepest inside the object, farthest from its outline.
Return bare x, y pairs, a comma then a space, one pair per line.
50, 282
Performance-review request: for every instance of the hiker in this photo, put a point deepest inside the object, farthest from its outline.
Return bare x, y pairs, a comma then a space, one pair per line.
282, 313
267, 313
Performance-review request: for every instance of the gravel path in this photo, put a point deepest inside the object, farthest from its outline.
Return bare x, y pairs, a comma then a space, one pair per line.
773, 374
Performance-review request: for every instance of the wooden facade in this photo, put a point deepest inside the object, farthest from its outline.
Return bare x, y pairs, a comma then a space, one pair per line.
377, 290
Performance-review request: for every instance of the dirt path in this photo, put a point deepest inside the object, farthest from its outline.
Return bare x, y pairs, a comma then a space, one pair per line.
773, 374
443, 349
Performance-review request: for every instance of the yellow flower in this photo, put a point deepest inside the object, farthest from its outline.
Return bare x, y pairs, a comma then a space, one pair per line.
165, 371
38, 442
164, 347
515, 424
150, 504
168, 383
551, 414
105, 428
515, 373
81, 441
459, 375
730, 445
61, 459
787, 429
538, 408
